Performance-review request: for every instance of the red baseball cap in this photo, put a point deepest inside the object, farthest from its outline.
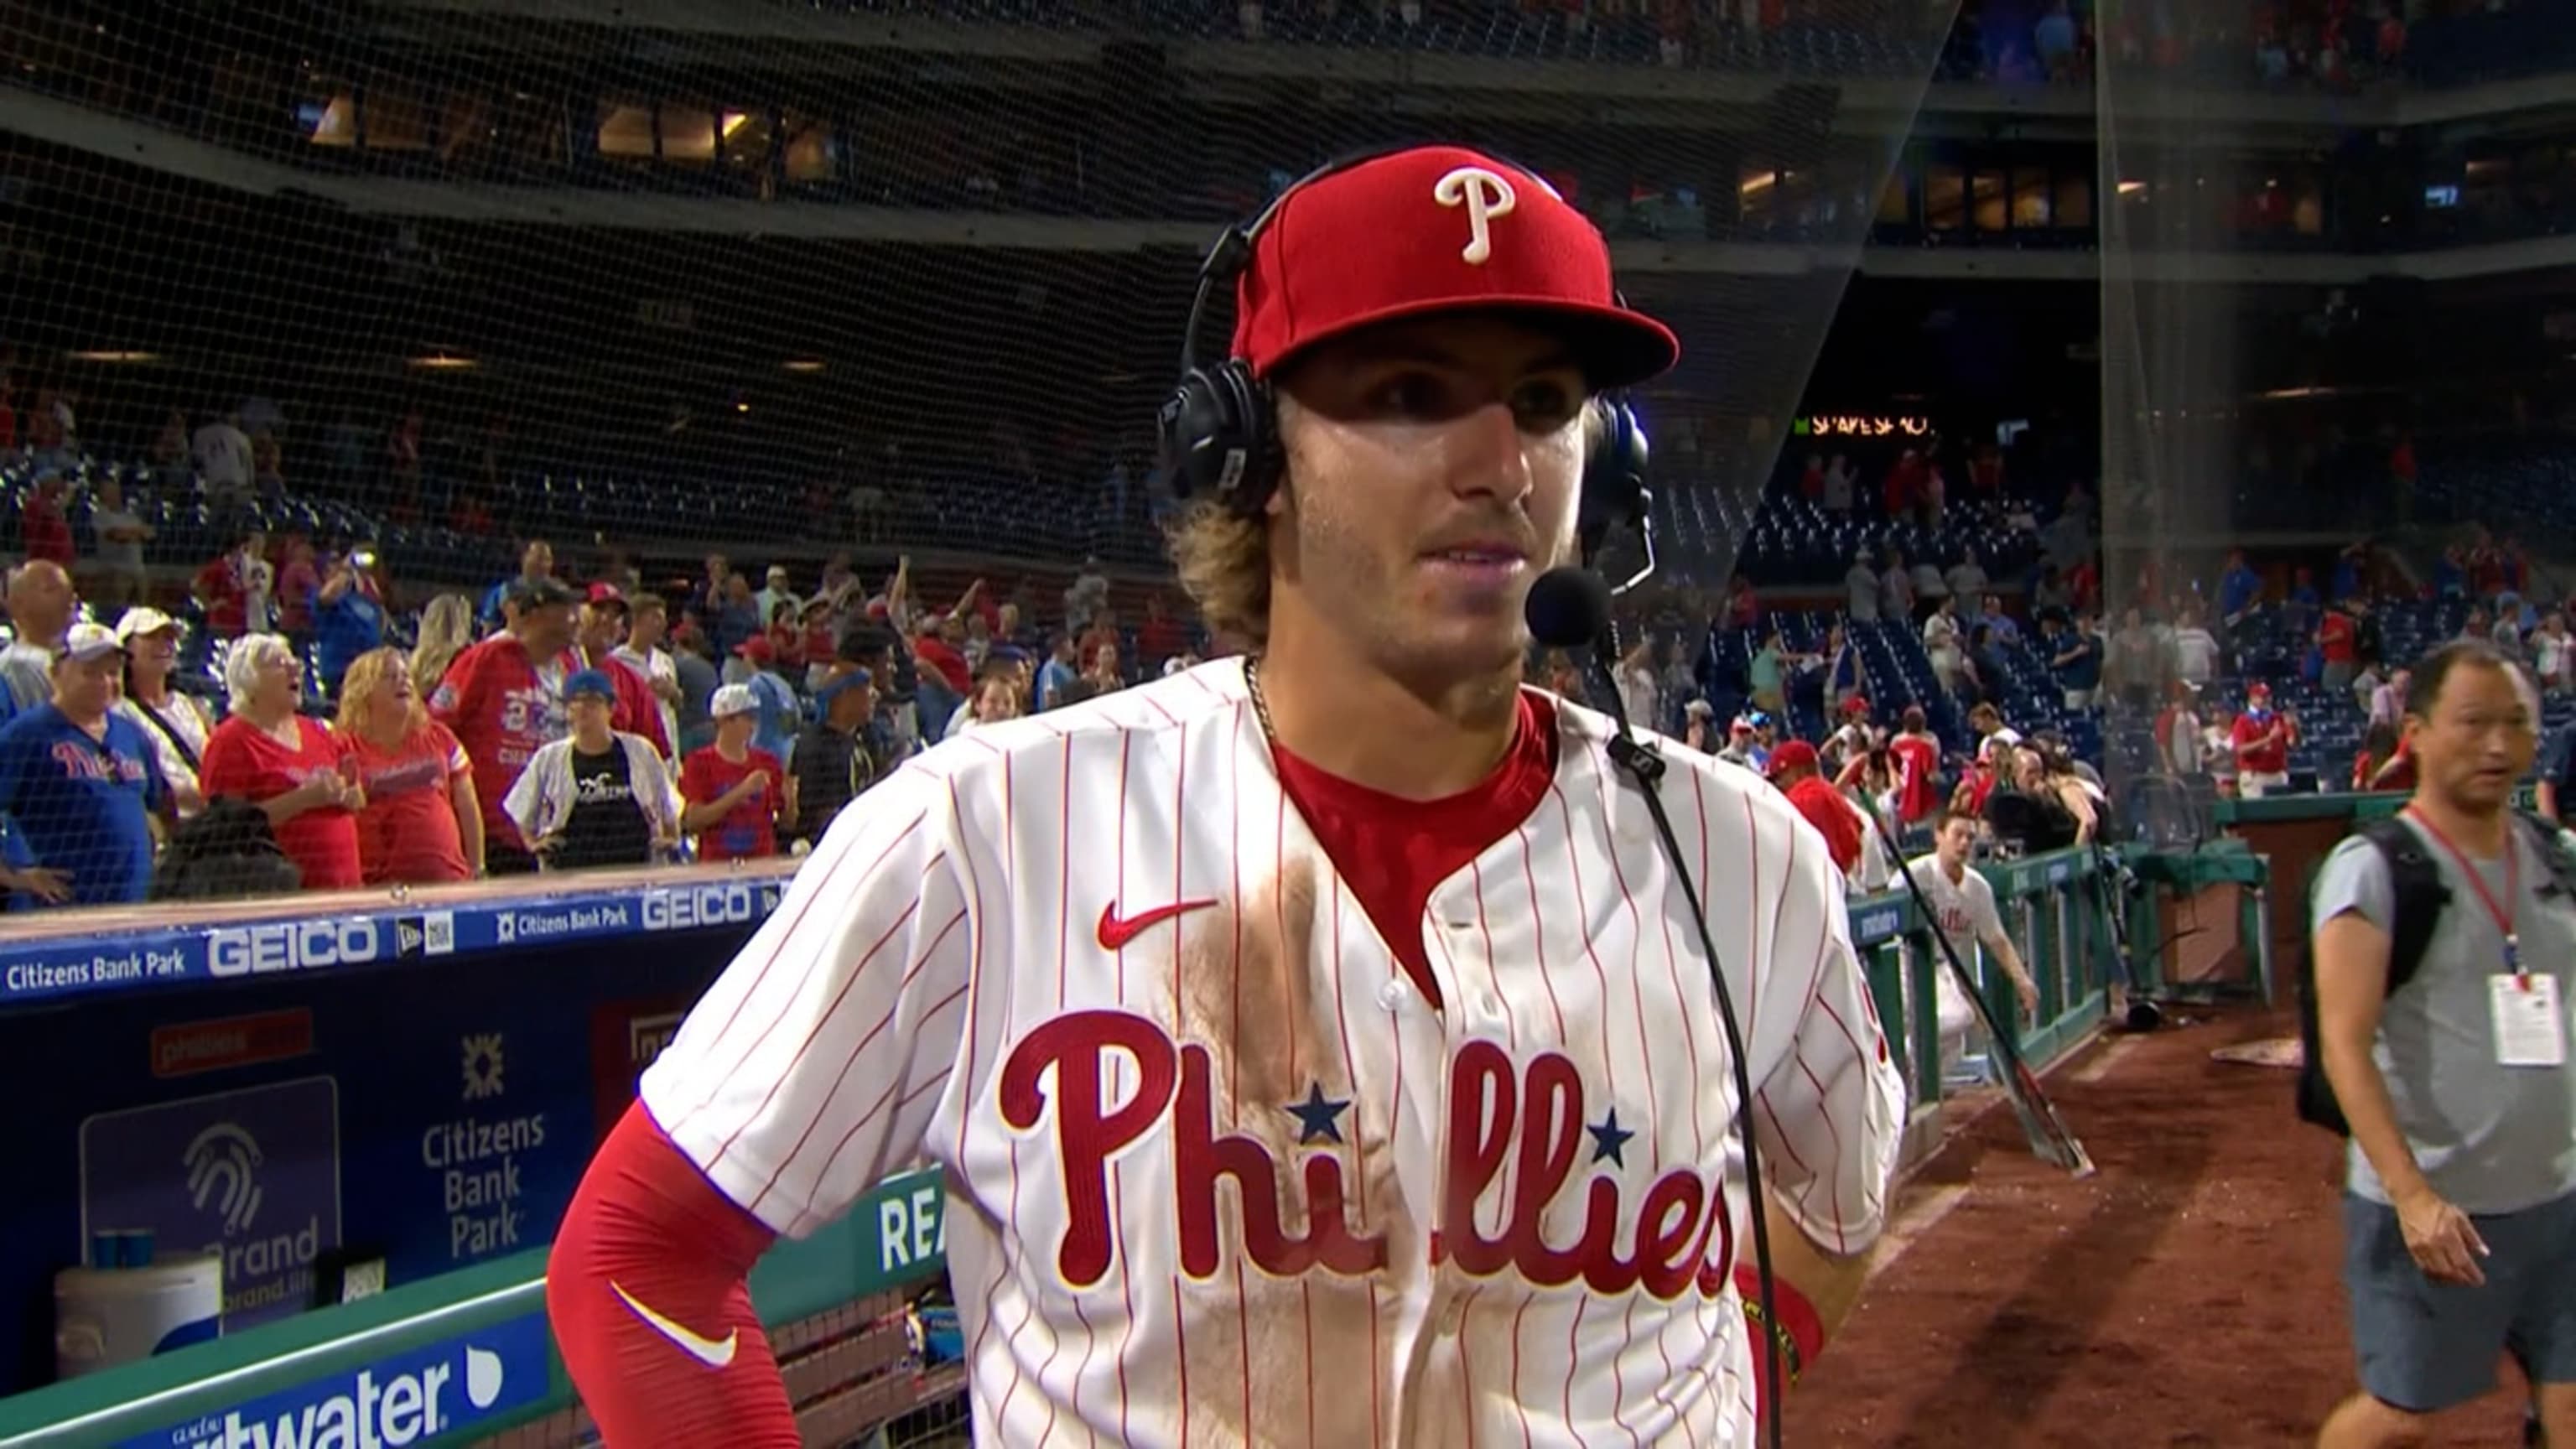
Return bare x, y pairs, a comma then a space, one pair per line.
1430, 230
604, 592
1796, 754
757, 649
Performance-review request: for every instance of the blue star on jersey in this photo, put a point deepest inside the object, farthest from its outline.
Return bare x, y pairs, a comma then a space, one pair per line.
1318, 1117
1610, 1140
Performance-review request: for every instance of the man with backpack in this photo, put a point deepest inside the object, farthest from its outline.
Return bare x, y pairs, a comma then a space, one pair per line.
2443, 957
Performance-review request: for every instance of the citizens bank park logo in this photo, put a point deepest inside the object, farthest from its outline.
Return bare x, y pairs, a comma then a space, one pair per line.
418, 1397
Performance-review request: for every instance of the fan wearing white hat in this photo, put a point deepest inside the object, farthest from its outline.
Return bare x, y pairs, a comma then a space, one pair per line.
176, 724
737, 794
79, 785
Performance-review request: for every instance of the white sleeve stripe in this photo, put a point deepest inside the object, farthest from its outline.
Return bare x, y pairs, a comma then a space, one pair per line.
715, 1083
824, 1101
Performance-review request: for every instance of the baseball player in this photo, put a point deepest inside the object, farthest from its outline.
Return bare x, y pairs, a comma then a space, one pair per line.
1316, 1042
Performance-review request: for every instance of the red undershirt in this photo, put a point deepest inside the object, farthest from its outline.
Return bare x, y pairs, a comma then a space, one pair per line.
1393, 852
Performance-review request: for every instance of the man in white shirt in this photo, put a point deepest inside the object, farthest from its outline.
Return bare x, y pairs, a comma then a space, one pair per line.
1861, 588
647, 622
1968, 580
224, 460
1964, 912
41, 608
1088, 595
776, 593
2195, 649
121, 534
1838, 486
1896, 590
1941, 644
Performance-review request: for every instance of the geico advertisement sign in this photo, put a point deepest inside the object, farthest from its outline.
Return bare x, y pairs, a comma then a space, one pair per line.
682, 908
293, 946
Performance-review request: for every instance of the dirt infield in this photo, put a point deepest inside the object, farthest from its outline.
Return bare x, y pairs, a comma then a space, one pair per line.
2186, 1295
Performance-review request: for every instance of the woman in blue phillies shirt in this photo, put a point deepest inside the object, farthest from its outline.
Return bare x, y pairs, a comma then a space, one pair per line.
348, 615
79, 785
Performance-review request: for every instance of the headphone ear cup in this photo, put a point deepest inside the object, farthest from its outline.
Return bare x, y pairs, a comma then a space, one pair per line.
1217, 436
1614, 473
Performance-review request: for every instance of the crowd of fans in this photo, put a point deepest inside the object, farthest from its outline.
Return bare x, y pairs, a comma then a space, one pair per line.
548, 725
540, 723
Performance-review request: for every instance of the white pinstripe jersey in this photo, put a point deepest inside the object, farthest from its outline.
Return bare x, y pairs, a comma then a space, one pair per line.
1230, 1178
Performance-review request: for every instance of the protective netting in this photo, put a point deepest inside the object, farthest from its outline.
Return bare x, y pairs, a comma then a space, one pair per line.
2255, 387
387, 289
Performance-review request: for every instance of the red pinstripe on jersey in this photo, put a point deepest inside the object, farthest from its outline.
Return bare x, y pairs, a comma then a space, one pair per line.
940, 935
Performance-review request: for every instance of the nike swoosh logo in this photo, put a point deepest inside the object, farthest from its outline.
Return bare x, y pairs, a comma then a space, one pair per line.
715, 1353
1116, 930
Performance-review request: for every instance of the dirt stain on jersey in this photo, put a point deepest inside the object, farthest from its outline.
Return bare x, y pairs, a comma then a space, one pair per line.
1305, 1359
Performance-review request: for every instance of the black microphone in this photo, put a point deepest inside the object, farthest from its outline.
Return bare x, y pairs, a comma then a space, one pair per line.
1569, 608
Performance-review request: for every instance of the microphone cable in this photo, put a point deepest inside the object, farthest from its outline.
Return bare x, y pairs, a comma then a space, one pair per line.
1569, 608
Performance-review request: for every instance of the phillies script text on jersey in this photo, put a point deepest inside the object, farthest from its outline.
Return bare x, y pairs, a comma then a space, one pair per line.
1668, 1234
1220, 1171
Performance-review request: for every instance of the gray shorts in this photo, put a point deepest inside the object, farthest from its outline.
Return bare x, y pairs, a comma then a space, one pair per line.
2427, 1346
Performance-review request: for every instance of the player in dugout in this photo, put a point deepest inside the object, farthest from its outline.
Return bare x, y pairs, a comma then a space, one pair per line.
1352, 921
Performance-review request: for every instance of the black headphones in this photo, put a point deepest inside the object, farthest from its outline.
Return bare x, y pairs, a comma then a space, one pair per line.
1220, 434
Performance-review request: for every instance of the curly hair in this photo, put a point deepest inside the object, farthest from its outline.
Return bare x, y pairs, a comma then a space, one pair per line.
1223, 560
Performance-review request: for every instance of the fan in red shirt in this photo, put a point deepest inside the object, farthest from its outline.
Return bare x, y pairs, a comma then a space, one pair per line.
2386, 761
297, 582
223, 586
2261, 739
1795, 770
421, 823
935, 650
1918, 759
503, 699
42, 527
1161, 636
294, 770
1905, 484
821, 640
734, 793
2339, 646
597, 631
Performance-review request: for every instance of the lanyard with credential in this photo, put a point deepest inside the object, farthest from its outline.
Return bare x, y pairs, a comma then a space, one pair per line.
2502, 916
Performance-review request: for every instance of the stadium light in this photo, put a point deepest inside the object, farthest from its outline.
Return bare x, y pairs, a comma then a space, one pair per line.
803, 364
115, 355
445, 362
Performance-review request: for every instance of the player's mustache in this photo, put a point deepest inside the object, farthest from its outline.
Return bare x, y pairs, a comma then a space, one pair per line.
1487, 534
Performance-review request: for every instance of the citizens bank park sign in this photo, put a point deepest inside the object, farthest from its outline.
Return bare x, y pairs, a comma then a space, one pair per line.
125, 959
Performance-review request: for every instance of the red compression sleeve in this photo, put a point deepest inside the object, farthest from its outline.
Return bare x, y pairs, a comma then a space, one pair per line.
646, 1293
1800, 1332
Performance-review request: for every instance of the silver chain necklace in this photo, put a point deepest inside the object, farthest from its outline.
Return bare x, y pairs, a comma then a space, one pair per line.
1260, 701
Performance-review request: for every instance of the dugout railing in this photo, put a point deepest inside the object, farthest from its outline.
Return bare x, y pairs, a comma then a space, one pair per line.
470, 1342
